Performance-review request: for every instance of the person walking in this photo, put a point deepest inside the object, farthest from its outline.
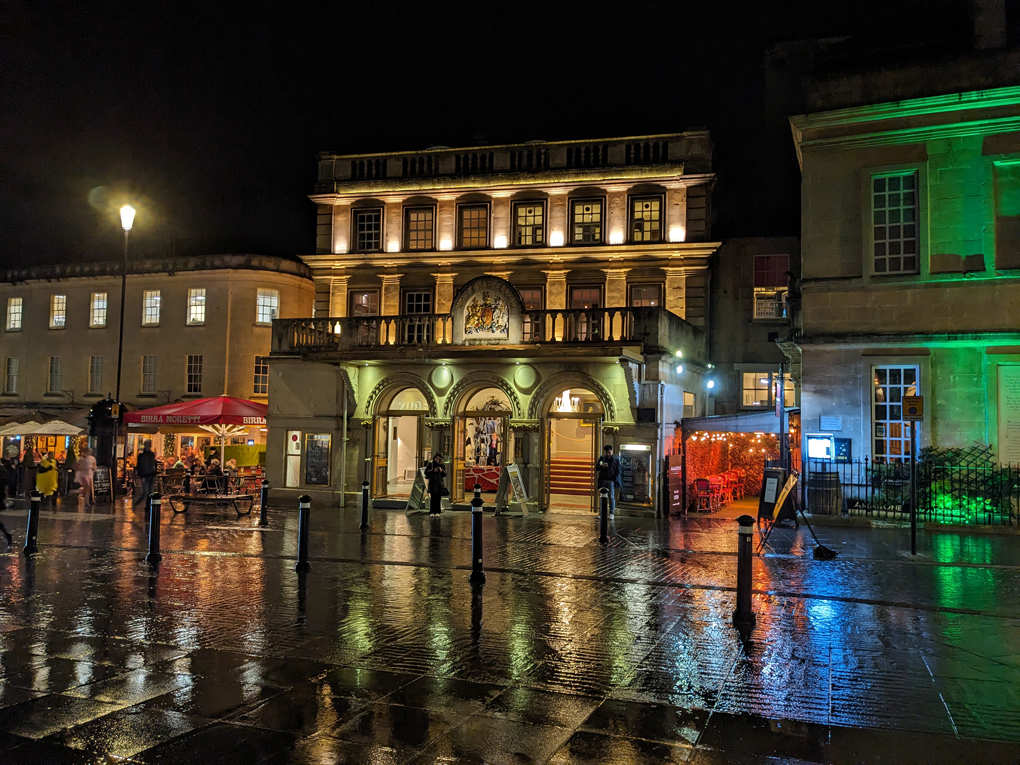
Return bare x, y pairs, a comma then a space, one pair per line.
10, 462
608, 471
46, 477
5, 469
84, 473
435, 474
145, 471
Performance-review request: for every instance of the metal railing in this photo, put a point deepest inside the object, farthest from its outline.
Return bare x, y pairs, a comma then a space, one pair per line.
983, 494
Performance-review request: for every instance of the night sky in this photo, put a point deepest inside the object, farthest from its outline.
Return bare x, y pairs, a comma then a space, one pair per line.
211, 114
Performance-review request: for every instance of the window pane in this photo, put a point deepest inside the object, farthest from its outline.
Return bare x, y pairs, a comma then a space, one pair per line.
587, 222
148, 374
368, 230
194, 373
585, 297
14, 308
528, 225
268, 305
58, 310
196, 306
645, 219
420, 229
889, 206
97, 314
261, 386
646, 295
365, 303
95, 374
150, 307
54, 382
891, 433
11, 376
474, 227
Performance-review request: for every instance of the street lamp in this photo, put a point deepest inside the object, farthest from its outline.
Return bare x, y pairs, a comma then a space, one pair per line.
127, 219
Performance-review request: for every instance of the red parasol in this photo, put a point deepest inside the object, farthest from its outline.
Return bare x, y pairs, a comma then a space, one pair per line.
220, 410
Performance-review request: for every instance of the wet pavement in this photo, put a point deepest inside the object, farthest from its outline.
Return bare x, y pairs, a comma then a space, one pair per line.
569, 653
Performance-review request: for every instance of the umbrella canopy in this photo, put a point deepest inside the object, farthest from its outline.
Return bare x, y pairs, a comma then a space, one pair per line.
32, 428
220, 410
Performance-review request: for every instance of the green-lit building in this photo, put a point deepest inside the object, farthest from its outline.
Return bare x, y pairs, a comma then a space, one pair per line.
911, 255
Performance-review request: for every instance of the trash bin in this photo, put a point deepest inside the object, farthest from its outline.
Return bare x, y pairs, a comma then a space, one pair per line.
824, 496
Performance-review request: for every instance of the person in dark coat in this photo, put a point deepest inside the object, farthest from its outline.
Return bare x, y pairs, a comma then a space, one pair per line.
146, 470
4, 485
435, 474
609, 472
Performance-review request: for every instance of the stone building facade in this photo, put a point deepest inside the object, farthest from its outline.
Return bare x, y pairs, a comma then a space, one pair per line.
193, 327
517, 304
910, 257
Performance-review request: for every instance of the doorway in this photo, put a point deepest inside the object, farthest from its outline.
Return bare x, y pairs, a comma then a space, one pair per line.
482, 443
398, 444
571, 444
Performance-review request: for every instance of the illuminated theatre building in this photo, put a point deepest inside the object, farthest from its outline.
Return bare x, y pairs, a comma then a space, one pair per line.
521, 304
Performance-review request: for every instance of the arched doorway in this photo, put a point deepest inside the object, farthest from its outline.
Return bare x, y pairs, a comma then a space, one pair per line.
572, 439
482, 442
399, 442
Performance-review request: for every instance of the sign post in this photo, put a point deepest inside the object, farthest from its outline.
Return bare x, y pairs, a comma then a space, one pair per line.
913, 412
510, 479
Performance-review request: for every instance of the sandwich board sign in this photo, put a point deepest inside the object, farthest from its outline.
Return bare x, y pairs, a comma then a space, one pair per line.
419, 490
510, 478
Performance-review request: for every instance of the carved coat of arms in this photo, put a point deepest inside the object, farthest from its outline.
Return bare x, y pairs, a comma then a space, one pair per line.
488, 315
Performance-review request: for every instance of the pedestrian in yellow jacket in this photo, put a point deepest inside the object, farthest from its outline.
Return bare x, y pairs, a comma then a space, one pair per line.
46, 476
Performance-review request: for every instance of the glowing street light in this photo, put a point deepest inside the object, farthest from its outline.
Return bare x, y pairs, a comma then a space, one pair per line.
127, 217
127, 220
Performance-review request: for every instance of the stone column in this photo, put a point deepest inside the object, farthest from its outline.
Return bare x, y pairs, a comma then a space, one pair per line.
342, 227
556, 289
501, 222
444, 292
446, 225
338, 293
558, 226
676, 291
390, 295
616, 287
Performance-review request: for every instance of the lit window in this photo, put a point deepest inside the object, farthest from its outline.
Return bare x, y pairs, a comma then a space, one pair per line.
368, 230
689, 404
261, 387
14, 309
770, 286
150, 308
528, 225
95, 374
474, 226
53, 384
892, 434
586, 219
58, 311
894, 219
585, 297
365, 303
646, 219
194, 374
268, 306
645, 295
420, 223
97, 314
196, 306
417, 302
148, 374
760, 389
11, 376
533, 300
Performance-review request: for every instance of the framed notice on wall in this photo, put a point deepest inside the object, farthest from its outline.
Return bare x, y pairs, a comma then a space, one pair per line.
317, 459
1008, 379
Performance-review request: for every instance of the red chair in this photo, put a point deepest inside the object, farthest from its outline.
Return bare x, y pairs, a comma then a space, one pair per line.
704, 495
719, 488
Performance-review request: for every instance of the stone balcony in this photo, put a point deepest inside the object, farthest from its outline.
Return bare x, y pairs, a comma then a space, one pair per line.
583, 332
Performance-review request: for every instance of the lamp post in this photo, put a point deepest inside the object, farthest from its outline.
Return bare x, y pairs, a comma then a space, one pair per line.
127, 219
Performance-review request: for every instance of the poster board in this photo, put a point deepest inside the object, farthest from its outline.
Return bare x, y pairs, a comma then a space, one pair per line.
419, 491
675, 482
635, 476
510, 478
1008, 379
101, 484
317, 463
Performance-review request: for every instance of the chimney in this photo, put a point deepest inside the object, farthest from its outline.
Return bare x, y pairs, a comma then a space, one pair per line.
989, 24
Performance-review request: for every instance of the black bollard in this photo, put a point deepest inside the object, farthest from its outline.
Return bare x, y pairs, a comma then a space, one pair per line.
304, 509
603, 516
155, 507
264, 500
477, 575
364, 505
743, 617
32, 534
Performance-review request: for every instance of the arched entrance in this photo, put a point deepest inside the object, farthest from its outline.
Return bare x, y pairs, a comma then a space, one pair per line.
572, 440
399, 439
482, 442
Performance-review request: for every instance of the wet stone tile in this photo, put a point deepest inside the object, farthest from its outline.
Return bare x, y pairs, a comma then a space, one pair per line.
440, 694
281, 673
488, 740
212, 698
59, 675
584, 748
131, 687
222, 743
128, 731
303, 714
539, 707
52, 753
735, 733
49, 714
655, 722
363, 684
326, 750
397, 727
11, 695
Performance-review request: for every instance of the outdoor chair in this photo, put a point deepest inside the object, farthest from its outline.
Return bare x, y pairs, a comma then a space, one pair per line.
705, 496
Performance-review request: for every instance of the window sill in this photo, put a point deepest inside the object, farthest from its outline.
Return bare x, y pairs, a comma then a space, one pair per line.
192, 395
9, 394
195, 324
148, 395
149, 326
93, 395
54, 395
97, 326
56, 327
12, 330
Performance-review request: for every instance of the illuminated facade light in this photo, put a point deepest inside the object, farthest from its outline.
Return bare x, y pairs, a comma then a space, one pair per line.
556, 239
679, 354
677, 234
445, 245
680, 369
616, 237
499, 242
710, 383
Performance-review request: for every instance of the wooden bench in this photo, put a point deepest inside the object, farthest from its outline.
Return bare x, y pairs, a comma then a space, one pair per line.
211, 499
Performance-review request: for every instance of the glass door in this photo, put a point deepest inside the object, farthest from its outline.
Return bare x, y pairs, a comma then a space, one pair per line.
459, 451
572, 443
380, 461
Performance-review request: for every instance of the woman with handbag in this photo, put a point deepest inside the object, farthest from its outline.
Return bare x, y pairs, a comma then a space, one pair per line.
435, 473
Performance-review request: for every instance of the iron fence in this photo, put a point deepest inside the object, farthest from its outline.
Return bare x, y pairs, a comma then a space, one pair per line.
953, 486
